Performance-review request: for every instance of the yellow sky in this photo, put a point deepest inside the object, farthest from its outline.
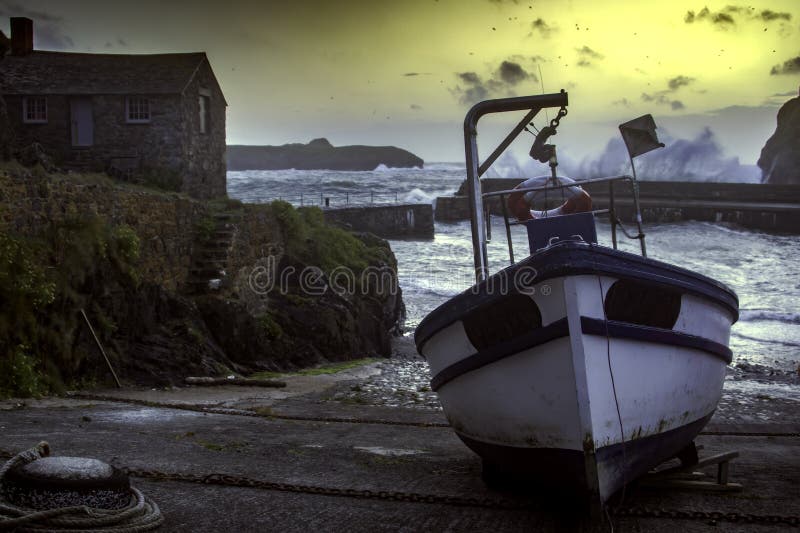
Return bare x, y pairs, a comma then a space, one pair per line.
405, 72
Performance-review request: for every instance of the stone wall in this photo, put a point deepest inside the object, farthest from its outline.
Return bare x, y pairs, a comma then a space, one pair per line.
170, 142
53, 134
408, 220
154, 144
752, 205
204, 153
6, 133
163, 332
165, 223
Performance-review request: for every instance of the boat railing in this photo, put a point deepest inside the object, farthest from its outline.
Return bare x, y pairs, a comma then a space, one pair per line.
610, 211
638, 134
335, 199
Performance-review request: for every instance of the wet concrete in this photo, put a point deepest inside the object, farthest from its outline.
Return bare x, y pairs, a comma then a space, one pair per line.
278, 446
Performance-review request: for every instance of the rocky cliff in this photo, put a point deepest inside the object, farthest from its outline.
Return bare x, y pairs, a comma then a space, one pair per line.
780, 157
293, 292
319, 154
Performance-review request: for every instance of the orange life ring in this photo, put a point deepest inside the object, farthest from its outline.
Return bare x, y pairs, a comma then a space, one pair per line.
520, 203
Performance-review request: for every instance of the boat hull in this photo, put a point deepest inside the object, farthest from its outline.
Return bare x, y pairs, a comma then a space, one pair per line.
579, 400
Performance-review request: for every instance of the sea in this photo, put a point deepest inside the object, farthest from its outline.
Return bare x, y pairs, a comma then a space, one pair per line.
761, 267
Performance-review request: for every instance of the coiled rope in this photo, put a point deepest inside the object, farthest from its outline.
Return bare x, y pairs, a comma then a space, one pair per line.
141, 514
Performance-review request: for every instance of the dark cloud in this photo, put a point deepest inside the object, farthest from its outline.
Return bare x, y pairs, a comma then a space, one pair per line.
787, 93
587, 56
679, 81
50, 37
588, 52
790, 66
416, 107
530, 61
473, 92
624, 102
411, 74
119, 42
512, 73
500, 83
727, 17
722, 19
13, 9
768, 15
541, 27
469, 77
47, 33
662, 98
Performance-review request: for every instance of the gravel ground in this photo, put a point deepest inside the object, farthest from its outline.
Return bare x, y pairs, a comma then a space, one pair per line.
752, 394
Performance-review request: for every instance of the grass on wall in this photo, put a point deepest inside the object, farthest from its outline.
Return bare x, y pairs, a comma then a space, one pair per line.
44, 281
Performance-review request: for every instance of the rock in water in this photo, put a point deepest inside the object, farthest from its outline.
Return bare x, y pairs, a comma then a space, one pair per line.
319, 154
780, 157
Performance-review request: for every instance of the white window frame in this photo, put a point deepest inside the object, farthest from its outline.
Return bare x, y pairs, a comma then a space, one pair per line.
26, 106
137, 101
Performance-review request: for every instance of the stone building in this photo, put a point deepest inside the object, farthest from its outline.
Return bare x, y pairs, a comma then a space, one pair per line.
161, 115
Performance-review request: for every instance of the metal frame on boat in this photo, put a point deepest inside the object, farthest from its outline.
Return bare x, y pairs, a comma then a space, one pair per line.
580, 366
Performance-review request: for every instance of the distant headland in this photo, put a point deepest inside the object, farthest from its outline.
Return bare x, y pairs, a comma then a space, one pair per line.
319, 154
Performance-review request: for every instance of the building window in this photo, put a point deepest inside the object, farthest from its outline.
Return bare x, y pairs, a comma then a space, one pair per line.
137, 109
34, 109
205, 113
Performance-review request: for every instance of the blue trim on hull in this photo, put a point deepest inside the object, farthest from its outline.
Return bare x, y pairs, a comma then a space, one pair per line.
574, 259
556, 330
623, 330
589, 326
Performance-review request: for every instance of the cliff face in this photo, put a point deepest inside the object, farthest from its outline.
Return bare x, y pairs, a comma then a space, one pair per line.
126, 256
319, 154
780, 157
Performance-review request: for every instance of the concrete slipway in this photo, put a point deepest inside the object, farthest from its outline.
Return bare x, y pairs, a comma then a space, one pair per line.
323, 465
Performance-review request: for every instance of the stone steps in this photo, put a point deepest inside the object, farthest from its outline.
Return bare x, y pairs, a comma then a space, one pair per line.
210, 259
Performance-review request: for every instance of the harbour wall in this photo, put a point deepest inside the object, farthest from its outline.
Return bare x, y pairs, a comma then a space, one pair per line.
395, 220
752, 205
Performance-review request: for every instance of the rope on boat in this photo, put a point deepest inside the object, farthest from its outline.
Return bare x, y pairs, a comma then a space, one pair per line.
141, 514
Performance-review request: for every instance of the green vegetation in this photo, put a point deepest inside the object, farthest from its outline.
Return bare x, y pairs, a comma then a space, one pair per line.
204, 228
332, 368
44, 281
223, 203
270, 327
311, 240
161, 178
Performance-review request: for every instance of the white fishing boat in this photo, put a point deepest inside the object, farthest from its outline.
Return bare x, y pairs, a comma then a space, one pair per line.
581, 366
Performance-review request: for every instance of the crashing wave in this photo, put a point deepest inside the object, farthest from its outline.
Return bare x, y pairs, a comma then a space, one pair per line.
750, 315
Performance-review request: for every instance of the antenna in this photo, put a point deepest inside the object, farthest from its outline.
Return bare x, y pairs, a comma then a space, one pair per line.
541, 81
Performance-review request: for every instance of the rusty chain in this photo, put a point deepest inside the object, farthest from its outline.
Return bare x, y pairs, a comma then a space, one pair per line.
229, 480
557, 119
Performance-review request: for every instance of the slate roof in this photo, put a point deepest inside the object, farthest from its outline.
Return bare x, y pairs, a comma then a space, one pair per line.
72, 73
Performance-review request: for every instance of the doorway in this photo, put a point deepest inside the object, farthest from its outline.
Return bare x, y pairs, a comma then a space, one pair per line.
82, 121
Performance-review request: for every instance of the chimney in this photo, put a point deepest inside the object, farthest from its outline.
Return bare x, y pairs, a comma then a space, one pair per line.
21, 36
